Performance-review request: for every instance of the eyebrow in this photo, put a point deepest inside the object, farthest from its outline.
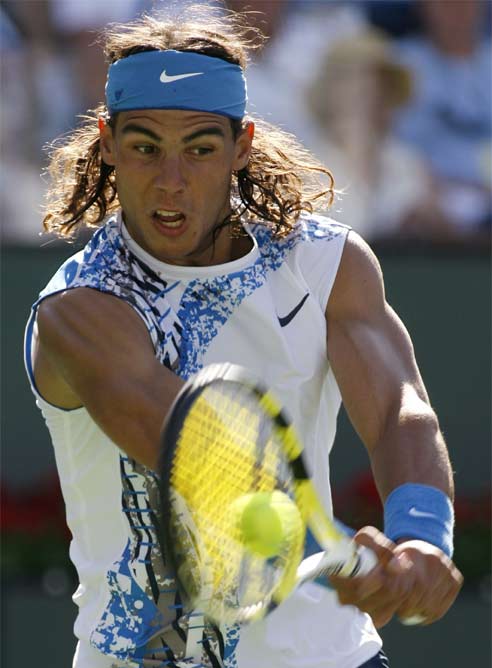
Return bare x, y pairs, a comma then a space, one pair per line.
204, 131
140, 129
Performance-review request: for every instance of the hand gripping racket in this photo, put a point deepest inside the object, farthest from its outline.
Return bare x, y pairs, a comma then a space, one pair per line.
226, 437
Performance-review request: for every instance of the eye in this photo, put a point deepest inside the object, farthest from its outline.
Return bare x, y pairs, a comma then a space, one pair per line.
202, 150
146, 149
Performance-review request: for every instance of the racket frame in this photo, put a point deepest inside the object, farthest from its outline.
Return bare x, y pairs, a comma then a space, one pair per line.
342, 555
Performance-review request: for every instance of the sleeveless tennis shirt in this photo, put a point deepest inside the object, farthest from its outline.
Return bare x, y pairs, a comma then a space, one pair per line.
264, 311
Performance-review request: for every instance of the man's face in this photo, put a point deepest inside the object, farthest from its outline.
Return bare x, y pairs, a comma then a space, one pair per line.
173, 177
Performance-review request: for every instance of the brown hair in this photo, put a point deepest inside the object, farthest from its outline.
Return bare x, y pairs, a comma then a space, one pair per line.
280, 181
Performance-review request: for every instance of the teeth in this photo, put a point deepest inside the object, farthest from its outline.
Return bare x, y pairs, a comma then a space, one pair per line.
169, 218
161, 212
174, 223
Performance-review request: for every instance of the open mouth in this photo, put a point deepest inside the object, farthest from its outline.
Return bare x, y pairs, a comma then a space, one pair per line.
170, 219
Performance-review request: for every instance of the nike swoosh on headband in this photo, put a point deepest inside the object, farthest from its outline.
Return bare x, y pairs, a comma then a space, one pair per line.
290, 316
168, 78
420, 513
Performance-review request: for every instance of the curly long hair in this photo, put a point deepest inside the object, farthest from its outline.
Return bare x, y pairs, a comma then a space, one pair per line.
281, 180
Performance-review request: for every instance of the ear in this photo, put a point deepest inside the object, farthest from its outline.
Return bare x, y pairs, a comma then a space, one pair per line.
242, 149
106, 142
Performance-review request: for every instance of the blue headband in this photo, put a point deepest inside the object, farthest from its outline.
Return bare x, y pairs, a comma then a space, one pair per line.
176, 80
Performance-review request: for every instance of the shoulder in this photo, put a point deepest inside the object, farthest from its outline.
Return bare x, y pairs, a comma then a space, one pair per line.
75, 324
358, 257
309, 228
316, 227
359, 283
88, 290
82, 308
89, 265
105, 253
78, 332
106, 264
310, 254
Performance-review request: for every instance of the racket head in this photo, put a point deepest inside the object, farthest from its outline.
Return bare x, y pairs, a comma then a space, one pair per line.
226, 437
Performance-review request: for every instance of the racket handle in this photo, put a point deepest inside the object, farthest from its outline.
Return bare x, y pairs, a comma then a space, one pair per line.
368, 560
317, 567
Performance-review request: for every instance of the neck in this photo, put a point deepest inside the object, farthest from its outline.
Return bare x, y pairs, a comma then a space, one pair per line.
221, 245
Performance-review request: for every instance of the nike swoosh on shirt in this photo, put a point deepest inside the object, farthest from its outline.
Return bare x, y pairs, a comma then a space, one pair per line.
290, 316
168, 78
414, 512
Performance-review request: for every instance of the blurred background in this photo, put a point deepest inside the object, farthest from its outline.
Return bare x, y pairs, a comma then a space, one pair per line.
395, 98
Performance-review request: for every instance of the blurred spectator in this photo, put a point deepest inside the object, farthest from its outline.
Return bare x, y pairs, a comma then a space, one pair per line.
449, 118
22, 47
49, 76
78, 22
299, 33
386, 188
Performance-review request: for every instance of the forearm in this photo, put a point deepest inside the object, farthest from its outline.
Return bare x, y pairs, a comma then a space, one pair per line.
411, 448
133, 413
374, 363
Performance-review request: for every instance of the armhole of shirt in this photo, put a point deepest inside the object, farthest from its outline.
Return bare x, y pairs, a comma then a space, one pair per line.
29, 340
320, 268
328, 287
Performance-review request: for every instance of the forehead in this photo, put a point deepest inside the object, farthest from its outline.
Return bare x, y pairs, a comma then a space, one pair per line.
173, 121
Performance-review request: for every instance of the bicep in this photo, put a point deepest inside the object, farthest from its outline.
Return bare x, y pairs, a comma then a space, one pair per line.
102, 351
369, 348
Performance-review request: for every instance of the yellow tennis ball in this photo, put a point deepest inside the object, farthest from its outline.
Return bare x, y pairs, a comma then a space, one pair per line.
266, 522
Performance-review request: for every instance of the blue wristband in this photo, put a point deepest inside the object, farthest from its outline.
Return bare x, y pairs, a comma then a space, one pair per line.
421, 512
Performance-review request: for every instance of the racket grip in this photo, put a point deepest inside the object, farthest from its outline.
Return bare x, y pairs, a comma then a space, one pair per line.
368, 560
319, 566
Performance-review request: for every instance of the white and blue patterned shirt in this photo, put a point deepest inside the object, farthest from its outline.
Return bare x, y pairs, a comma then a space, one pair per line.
265, 311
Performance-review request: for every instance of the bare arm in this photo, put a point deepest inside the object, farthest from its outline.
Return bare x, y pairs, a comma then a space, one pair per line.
93, 350
374, 363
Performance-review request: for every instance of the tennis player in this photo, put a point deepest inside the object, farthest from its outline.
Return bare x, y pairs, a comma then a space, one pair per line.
207, 250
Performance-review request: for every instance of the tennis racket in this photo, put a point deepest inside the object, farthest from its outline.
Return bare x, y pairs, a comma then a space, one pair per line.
226, 437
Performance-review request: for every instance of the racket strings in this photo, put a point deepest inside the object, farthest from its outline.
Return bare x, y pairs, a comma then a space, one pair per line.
228, 446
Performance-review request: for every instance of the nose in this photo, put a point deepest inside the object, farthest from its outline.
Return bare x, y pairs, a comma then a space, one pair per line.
170, 177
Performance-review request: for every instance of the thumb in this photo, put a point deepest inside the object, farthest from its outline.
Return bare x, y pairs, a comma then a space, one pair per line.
375, 540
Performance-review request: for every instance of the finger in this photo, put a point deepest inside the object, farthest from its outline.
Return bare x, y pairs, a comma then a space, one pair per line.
384, 604
447, 601
382, 615
351, 590
434, 602
414, 602
380, 544
359, 588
